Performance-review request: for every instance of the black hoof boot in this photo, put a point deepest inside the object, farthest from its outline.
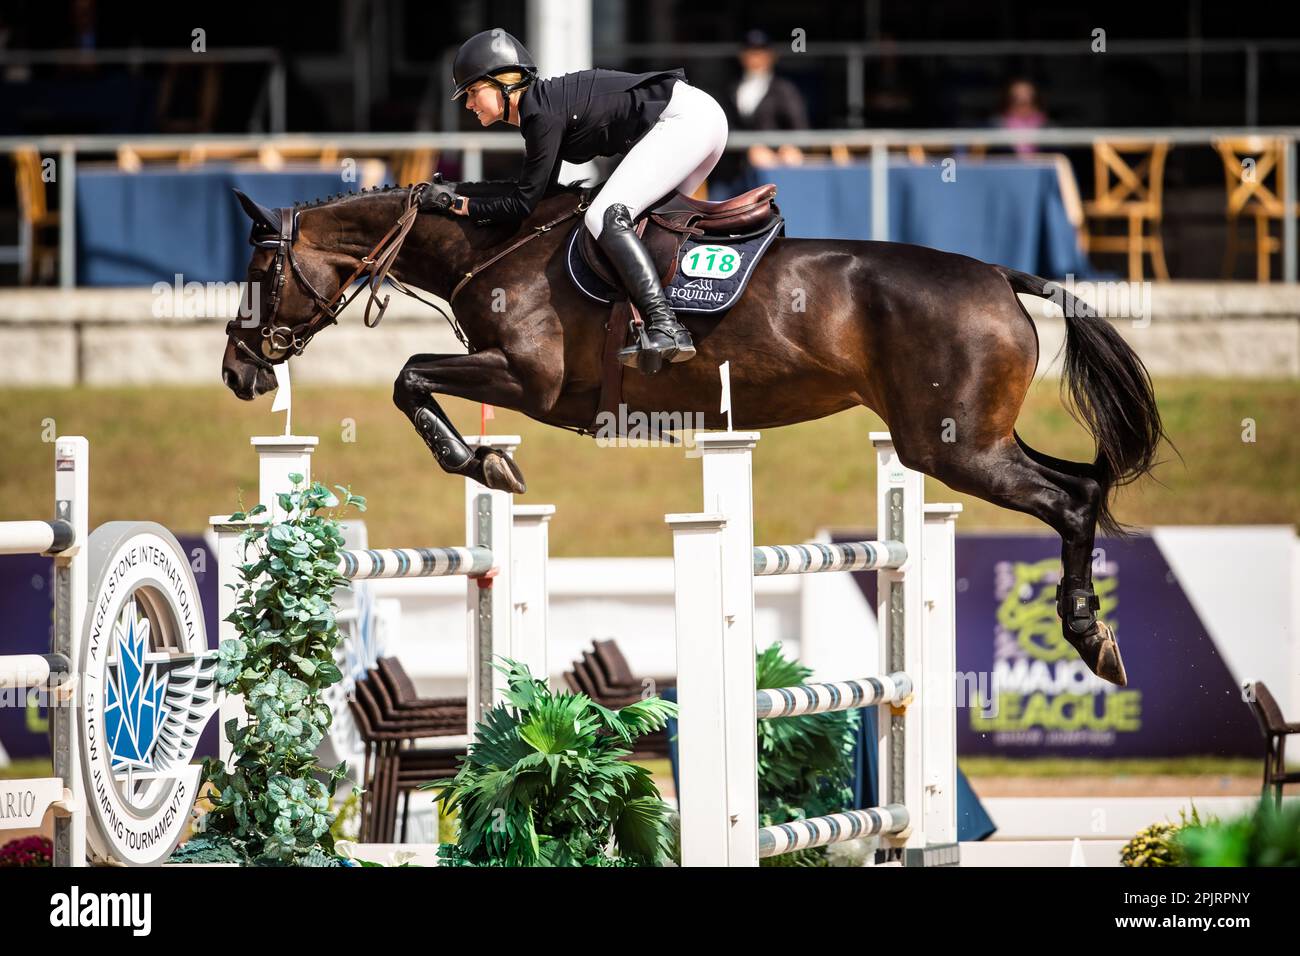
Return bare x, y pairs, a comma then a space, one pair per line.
450, 450
1093, 639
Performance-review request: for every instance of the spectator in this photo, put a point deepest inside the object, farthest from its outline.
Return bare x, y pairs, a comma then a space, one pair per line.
761, 100
1021, 109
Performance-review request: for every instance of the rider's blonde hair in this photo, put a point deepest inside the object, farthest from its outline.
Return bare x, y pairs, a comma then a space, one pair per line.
509, 77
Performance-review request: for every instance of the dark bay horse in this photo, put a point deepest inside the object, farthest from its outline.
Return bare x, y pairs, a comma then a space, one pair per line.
936, 344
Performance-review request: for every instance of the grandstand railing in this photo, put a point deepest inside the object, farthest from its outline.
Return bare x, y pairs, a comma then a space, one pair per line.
876, 144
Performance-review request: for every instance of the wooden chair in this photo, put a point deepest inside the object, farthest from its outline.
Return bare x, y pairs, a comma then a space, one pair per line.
1275, 730
218, 152
1130, 178
414, 166
603, 675
37, 223
920, 154
275, 157
131, 159
1256, 194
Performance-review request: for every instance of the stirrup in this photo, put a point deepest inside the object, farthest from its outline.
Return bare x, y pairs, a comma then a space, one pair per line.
642, 355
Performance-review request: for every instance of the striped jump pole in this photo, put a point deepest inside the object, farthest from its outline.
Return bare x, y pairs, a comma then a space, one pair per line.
835, 828
64, 539
715, 563
838, 695
815, 558
373, 564
25, 671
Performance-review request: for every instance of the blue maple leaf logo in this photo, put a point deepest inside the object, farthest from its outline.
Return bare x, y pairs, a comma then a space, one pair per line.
134, 713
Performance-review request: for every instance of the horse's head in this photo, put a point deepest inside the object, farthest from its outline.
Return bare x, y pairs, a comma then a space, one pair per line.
305, 261
294, 291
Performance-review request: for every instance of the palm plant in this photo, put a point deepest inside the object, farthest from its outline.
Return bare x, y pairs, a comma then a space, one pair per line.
545, 783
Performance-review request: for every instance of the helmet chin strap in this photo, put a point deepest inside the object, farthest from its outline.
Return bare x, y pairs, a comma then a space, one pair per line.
506, 91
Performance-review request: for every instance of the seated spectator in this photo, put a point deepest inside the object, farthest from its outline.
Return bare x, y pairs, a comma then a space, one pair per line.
1021, 109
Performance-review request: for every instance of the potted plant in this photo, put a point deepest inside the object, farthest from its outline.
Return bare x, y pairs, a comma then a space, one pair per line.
545, 783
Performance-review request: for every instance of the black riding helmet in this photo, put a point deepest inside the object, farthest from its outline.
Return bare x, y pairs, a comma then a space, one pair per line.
484, 55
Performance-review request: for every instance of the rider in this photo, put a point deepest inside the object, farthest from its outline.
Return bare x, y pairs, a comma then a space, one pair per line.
672, 134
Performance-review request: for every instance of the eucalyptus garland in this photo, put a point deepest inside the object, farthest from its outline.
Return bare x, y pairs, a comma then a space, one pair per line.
272, 806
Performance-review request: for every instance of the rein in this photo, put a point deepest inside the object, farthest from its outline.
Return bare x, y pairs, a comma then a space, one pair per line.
537, 231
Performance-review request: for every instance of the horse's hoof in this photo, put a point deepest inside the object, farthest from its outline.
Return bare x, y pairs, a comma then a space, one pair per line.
1100, 651
498, 471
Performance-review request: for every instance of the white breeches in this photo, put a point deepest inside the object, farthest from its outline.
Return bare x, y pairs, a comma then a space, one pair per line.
677, 153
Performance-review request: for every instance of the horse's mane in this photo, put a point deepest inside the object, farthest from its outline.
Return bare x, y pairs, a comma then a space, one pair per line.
351, 194
578, 188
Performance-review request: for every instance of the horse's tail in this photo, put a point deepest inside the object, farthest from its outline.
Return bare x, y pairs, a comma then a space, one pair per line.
1109, 391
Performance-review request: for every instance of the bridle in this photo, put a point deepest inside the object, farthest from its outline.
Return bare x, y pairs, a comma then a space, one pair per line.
283, 339
286, 340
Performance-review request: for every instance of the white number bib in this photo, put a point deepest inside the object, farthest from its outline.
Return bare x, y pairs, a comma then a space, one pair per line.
711, 262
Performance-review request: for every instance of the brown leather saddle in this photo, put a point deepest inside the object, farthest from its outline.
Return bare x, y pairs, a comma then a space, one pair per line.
664, 229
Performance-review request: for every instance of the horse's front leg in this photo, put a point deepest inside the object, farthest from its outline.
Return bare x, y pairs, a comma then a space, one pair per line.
481, 377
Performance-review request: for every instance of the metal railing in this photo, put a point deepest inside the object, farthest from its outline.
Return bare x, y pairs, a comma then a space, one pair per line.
856, 55
473, 146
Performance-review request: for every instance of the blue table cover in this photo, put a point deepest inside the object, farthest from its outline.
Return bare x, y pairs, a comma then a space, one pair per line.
1005, 213
141, 228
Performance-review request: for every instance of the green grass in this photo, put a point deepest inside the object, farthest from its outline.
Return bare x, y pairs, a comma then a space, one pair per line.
178, 455
1050, 767
27, 768
971, 766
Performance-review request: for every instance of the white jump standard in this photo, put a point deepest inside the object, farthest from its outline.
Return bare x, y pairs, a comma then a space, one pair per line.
64, 540
715, 562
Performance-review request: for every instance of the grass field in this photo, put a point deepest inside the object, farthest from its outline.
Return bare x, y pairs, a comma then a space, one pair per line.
178, 455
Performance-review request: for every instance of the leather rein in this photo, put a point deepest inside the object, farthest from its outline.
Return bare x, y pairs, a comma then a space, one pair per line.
376, 267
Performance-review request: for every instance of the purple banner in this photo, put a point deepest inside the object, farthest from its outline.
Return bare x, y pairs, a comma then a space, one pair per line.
1036, 698
1024, 692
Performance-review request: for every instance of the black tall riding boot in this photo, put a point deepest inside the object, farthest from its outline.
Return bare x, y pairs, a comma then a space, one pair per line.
664, 334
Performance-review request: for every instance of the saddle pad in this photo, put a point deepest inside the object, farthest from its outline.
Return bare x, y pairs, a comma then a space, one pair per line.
712, 271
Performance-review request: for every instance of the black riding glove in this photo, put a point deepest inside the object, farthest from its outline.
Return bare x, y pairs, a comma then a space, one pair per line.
439, 197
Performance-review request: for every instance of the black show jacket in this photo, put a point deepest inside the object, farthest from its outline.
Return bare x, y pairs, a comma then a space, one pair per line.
574, 117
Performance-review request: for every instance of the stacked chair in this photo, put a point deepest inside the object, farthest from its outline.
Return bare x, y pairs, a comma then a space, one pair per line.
603, 675
1275, 729
391, 717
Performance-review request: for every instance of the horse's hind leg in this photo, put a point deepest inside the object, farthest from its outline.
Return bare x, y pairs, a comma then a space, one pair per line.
1002, 473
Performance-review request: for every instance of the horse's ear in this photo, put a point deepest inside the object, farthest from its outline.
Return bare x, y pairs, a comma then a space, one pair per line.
259, 213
